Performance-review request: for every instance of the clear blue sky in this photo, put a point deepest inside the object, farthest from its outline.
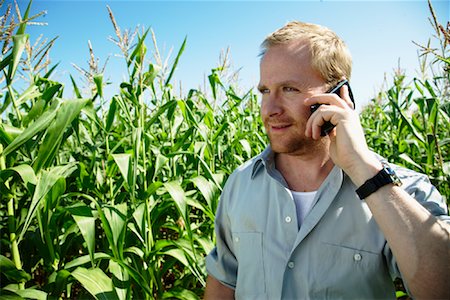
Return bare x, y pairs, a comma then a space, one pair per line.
378, 33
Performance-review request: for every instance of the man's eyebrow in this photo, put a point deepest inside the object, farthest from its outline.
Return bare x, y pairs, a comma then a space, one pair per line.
260, 87
292, 82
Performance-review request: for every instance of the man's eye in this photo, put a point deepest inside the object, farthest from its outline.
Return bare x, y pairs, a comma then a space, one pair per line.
290, 89
264, 91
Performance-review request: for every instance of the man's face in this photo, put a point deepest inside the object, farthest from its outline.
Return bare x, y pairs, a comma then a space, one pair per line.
286, 80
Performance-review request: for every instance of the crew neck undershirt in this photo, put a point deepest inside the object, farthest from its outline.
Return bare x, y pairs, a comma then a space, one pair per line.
303, 203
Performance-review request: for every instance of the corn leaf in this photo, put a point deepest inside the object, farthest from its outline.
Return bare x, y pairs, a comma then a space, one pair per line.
96, 283
68, 111
176, 61
8, 269
40, 124
207, 189
180, 293
98, 80
25, 172
82, 214
6, 61
31, 294
177, 193
19, 41
123, 162
75, 87
31, 92
121, 280
111, 114
23, 25
82, 260
46, 180
116, 216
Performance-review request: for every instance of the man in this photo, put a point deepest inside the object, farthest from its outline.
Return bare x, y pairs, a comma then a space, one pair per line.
290, 222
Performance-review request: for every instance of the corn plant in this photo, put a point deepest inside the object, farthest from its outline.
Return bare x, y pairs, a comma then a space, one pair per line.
117, 201
409, 123
113, 197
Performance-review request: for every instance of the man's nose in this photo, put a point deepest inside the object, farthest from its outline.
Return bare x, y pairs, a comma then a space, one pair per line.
273, 105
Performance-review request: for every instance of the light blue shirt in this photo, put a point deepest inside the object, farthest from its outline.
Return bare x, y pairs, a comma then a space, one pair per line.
338, 253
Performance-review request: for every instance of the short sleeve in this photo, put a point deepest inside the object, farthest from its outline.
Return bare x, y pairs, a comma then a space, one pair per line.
221, 262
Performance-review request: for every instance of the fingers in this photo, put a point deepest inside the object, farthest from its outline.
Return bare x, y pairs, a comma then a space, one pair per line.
346, 96
324, 113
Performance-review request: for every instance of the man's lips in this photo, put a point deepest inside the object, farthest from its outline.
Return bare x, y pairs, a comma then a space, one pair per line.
279, 126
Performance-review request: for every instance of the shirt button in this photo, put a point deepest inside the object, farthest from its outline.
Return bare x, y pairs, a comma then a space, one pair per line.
288, 219
291, 265
236, 239
357, 257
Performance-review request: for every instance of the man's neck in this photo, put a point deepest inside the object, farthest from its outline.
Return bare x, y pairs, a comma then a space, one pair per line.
304, 173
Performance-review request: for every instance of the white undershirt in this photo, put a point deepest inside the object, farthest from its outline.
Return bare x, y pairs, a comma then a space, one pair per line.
303, 202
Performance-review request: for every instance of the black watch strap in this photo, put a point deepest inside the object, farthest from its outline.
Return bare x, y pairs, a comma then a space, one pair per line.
382, 178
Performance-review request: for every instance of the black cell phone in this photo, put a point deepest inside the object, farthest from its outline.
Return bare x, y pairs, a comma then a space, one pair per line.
328, 126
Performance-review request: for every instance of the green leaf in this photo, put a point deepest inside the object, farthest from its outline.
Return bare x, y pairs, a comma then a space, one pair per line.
51, 91
150, 75
8, 269
9, 295
82, 260
161, 160
159, 112
19, 41
246, 146
96, 283
25, 172
23, 25
40, 124
68, 111
178, 254
180, 293
6, 61
207, 189
123, 162
137, 49
176, 62
46, 180
30, 93
98, 80
32, 294
116, 216
60, 282
121, 280
409, 160
75, 87
177, 194
111, 114
82, 214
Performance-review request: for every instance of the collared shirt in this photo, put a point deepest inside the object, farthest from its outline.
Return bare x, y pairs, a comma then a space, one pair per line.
338, 253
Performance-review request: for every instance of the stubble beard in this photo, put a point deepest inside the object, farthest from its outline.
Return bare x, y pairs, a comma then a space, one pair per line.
297, 144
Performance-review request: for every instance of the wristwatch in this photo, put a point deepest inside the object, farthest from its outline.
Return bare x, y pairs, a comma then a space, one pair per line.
384, 177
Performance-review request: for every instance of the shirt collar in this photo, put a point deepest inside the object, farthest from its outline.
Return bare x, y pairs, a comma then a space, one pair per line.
264, 160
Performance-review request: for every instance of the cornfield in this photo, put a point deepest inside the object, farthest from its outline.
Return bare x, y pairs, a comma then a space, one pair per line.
114, 197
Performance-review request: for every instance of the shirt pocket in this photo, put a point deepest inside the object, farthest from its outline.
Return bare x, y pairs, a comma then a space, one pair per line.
251, 283
349, 268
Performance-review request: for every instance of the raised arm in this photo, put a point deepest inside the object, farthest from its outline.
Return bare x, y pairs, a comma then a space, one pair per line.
419, 241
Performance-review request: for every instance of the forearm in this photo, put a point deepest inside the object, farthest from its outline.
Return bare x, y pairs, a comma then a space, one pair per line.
419, 241
216, 290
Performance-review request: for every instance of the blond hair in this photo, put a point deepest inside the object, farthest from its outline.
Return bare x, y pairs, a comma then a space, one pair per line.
330, 56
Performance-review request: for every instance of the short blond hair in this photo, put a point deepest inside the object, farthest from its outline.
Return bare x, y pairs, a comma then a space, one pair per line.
330, 56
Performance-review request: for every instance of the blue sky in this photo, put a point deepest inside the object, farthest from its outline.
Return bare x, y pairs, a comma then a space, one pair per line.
378, 33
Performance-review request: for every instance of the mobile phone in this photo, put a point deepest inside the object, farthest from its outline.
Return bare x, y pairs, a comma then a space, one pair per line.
328, 126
